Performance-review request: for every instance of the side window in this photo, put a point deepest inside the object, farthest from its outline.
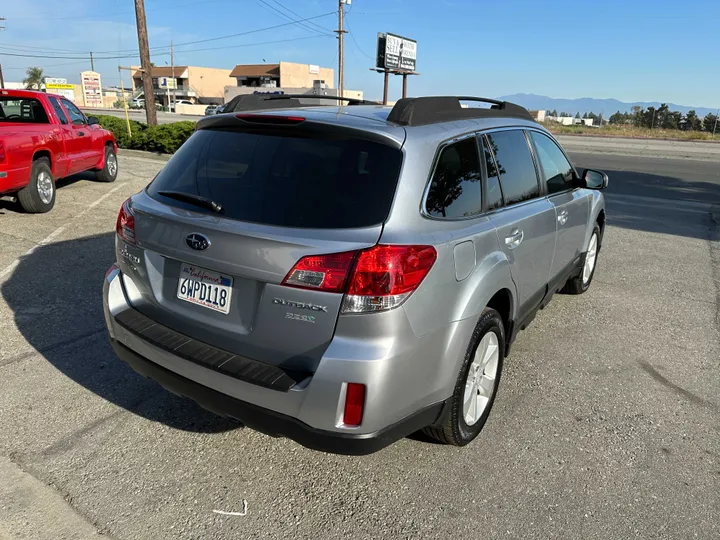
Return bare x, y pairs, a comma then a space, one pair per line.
515, 166
76, 117
455, 188
494, 194
58, 110
557, 169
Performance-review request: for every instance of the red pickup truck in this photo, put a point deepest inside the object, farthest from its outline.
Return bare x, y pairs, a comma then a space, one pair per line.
44, 137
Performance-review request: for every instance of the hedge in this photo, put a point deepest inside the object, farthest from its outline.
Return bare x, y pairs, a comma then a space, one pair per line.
165, 138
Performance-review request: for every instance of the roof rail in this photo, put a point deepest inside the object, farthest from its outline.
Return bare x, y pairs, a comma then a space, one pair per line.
421, 111
256, 102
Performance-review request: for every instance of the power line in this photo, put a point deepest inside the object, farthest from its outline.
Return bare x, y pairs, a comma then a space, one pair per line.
321, 28
286, 16
157, 50
355, 41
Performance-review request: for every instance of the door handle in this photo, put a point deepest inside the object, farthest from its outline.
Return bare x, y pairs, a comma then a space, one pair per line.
514, 239
563, 217
81, 133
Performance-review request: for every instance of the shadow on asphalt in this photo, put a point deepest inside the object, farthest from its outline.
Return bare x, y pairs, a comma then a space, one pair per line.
55, 294
14, 206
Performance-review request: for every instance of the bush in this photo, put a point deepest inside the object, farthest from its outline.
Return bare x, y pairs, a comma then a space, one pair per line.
165, 138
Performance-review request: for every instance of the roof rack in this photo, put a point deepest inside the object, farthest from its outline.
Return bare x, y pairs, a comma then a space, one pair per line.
256, 102
421, 111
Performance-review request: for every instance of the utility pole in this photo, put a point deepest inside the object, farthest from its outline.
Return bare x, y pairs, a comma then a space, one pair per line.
2, 80
145, 66
172, 72
714, 127
92, 63
341, 47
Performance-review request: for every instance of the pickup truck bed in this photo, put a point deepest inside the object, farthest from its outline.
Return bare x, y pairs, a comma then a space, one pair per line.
44, 137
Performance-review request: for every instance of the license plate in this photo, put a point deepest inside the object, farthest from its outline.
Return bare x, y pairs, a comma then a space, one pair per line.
205, 288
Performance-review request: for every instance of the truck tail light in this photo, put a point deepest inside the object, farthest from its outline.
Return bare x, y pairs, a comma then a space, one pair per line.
354, 404
374, 279
125, 226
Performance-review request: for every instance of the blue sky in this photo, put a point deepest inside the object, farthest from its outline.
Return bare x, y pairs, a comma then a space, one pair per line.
632, 51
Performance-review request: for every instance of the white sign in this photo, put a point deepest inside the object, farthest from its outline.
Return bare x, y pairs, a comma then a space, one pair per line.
92, 90
52, 80
167, 83
314, 69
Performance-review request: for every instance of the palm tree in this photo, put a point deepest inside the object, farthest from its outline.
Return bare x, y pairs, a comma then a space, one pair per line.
34, 78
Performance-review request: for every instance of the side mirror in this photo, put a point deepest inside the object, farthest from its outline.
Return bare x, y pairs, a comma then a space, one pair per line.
93, 121
594, 179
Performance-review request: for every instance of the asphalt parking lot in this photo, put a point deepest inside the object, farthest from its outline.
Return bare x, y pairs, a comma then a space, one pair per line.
607, 423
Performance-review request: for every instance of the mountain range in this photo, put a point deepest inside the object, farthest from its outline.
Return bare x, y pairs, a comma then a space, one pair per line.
583, 105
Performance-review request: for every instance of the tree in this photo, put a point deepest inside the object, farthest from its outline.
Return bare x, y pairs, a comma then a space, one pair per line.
617, 118
34, 78
577, 115
693, 122
709, 122
585, 115
554, 113
565, 115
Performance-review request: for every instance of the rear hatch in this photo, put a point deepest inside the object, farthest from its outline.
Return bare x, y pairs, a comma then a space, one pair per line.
280, 192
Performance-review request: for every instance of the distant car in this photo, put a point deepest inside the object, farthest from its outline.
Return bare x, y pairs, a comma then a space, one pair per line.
180, 102
138, 103
211, 109
220, 109
44, 137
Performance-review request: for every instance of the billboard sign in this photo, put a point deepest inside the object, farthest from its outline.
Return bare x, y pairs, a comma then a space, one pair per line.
92, 90
50, 81
61, 89
396, 53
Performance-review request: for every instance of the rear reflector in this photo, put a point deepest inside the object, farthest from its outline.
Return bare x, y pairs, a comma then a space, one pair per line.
270, 119
354, 404
374, 279
125, 226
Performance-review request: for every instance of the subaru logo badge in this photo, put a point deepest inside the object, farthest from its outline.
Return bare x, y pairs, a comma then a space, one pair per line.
197, 241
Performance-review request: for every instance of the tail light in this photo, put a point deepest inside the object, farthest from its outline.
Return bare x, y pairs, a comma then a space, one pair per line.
354, 404
270, 119
125, 226
2, 152
374, 279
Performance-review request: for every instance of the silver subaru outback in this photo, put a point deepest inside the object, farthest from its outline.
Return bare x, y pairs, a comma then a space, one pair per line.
346, 276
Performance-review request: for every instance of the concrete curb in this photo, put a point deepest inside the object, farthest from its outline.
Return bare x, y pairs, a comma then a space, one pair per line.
155, 156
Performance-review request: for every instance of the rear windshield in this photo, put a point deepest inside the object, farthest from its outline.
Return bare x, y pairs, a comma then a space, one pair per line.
30, 110
285, 181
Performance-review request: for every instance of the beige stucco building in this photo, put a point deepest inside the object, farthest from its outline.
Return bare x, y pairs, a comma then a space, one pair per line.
283, 75
194, 83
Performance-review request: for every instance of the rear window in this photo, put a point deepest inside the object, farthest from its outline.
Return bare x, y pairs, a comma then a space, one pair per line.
13, 109
285, 181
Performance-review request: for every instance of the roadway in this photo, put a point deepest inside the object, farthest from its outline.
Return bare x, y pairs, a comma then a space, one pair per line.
605, 426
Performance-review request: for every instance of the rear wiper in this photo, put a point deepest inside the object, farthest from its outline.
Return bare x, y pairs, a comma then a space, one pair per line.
193, 199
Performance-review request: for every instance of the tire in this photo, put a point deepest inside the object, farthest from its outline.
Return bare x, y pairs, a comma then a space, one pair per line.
38, 196
580, 284
109, 171
457, 430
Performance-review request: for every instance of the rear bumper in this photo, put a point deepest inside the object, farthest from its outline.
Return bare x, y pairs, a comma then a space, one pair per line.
406, 383
274, 423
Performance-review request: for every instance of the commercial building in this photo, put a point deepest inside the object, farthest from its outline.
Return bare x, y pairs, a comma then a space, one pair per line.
197, 84
284, 78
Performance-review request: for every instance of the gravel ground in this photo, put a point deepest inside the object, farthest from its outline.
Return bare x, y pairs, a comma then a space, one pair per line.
606, 424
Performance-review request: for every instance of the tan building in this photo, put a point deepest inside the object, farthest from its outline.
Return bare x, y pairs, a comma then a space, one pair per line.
283, 75
194, 83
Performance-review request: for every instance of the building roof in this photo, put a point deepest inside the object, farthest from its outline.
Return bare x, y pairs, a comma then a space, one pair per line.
165, 71
256, 70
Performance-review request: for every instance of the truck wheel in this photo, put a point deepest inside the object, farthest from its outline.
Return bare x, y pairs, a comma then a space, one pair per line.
110, 168
581, 283
477, 383
38, 196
